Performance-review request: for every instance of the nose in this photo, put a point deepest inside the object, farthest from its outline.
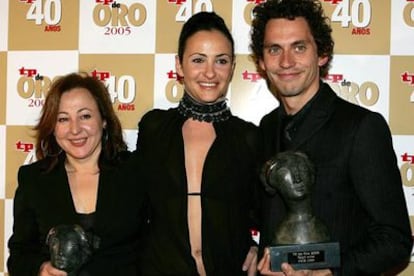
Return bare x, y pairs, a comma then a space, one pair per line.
286, 59
210, 71
74, 127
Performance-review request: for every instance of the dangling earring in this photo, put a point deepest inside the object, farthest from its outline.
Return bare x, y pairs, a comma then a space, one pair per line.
45, 150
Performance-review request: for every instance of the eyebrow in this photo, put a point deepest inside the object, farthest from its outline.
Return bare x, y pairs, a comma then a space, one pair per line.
80, 110
83, 109
204, 55
294, 43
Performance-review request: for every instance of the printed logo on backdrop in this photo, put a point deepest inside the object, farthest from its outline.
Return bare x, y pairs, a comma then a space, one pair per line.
20, 150
408, 78
402, 95
407, 168
108, 26
167, 87
171, 14
402, 27
406, 159
129, 79
362, 80
121, 89
250, 98
29, 75
43, 25
359, 26
242, 21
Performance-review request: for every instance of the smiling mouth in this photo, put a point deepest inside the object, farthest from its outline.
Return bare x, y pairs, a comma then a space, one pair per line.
208, 84
288, 75
78, 142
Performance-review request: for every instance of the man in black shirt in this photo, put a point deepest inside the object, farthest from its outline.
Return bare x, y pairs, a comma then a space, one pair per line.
358, 190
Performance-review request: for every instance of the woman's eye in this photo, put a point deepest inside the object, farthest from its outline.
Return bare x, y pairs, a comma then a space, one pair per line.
62, 119
223, 61
86, 116
197, 60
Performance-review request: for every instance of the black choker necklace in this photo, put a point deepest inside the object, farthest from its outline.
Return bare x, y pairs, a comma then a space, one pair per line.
214, 112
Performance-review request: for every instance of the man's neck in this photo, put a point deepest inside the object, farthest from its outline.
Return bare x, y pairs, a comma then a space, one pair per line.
293, 105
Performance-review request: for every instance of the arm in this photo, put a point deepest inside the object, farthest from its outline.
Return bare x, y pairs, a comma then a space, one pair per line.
376, 178
25, 246
252, 151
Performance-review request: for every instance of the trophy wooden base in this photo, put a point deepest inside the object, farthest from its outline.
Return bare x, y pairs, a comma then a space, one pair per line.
305, 256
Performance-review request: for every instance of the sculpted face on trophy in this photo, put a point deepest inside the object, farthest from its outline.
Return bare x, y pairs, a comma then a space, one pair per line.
301, 239
68, 246
293, 175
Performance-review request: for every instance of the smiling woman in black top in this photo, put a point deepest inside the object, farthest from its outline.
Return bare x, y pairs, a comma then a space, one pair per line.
200, 165
80, 178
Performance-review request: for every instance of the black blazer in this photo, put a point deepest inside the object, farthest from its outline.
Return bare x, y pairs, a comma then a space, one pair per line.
227, 195
358, 189
43, 200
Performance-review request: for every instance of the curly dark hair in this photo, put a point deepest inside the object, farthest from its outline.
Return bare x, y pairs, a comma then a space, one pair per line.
112, 139
313, 13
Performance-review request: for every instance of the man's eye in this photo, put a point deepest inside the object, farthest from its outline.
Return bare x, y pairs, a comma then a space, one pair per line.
300, 48
273, 50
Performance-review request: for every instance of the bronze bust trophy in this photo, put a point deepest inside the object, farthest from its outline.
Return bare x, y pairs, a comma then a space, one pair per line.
69, 247
301, 239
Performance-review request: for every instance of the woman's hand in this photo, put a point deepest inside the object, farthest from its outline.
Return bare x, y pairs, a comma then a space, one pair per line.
250, 263
47, 269
264, 265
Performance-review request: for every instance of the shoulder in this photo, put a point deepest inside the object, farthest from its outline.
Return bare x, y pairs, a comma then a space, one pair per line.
158, 124
355, 113
29, 176
343, 110
269, 118
330, 99
123, 158
124, 155
157, 119
156, 115
34, 168
354, 119
240, 125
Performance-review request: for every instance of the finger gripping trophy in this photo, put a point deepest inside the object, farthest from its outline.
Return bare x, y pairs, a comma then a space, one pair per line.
301, 239
69, 247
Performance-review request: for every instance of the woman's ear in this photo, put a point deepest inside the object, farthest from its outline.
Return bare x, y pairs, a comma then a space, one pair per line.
178, 67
